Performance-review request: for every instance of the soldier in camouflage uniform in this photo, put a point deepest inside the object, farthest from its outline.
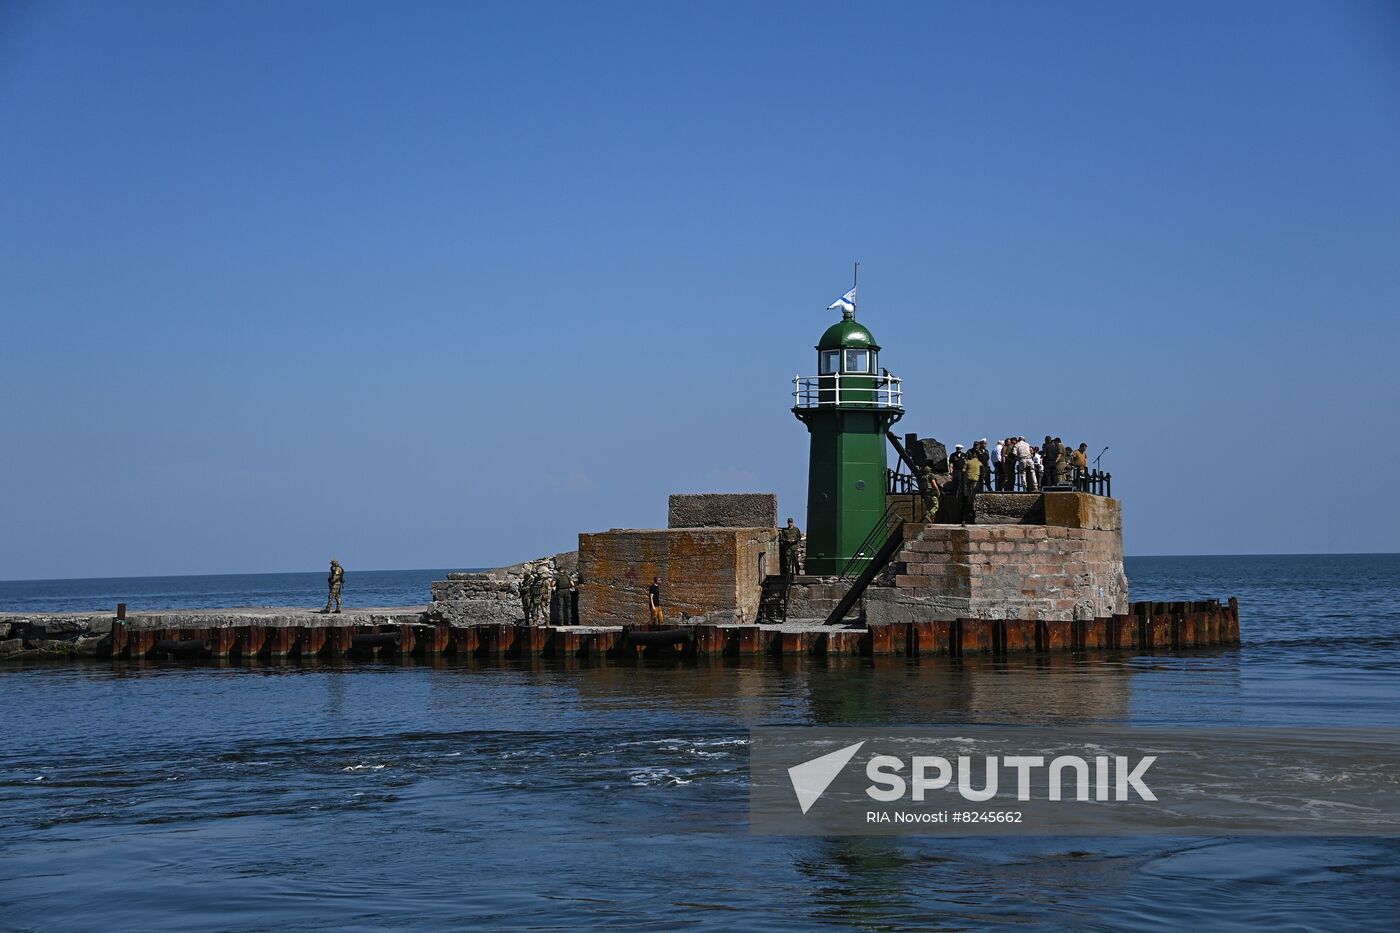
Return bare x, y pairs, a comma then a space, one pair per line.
928, 492
335, 581
559, 615
788, 540
526, 593
539, 597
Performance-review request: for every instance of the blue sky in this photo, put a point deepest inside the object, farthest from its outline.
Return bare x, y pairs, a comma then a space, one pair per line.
430, 285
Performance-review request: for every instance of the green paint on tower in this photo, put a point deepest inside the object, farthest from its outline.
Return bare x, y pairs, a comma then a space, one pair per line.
848, 407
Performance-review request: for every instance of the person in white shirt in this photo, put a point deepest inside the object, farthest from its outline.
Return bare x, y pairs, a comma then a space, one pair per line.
996, 466
1025, 466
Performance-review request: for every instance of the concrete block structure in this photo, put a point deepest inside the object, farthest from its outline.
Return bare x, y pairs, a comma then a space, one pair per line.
491, 596
1070, 567
714, 573
723, 510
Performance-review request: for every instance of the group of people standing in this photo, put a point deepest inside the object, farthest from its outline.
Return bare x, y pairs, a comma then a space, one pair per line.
547, 598
1010, 465
1018, 465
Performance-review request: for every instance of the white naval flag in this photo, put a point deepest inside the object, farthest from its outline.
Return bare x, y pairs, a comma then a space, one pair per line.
846, 302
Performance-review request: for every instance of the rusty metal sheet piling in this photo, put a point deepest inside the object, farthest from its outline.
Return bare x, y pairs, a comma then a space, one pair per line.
1054, 635
743, 641
1020, 636
847, 642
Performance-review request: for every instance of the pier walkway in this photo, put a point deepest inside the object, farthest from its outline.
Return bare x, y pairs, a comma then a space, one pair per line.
250, 633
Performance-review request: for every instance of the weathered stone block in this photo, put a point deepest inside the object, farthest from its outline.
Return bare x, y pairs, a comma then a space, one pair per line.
1081, 510
817, 597
713, 572
1008, 508
1005, 572
91, 646
723, 510
491, 596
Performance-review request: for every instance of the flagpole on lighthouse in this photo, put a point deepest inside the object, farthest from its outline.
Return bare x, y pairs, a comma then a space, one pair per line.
855, 283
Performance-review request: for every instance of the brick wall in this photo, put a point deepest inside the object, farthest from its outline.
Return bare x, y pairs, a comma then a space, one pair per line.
709, 572
1004, 572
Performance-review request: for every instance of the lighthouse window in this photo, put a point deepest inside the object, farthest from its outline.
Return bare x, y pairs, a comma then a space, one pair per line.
831, 362
857, 361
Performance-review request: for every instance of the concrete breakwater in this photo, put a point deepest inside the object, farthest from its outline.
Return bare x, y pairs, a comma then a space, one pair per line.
251, 634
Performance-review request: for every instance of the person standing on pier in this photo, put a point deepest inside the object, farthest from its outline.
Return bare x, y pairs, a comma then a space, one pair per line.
658, 616
1025, 465
562, 583
928, 493
541, 588
971, 484
1050, 453
1081, 467
1009, 467
334, 582
527, 589
984, 456
788, 539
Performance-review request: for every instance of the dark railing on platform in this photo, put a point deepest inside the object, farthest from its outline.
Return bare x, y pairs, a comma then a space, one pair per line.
1099, 483
1094, 482
900, 484
867, 565
878, 534
773, 600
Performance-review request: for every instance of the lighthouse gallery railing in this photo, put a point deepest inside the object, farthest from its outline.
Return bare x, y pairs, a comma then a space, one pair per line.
873, 391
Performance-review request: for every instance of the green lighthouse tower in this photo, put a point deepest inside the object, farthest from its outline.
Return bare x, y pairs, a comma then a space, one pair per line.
848, 408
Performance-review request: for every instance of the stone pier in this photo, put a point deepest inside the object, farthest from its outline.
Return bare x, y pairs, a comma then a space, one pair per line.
1056, 556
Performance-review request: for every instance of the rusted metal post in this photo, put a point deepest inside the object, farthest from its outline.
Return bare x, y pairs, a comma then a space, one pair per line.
121, 642
707, 641
743, 640
313, 641
881, 640
224, 642
280, 641
1020, 635
463, 639
339, 640
920, 639
490, 639
848, 642
435, 639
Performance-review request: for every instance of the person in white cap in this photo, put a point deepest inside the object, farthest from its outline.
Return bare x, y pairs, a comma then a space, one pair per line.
957, 461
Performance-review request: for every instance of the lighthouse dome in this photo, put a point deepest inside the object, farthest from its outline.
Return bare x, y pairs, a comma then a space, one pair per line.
847, 332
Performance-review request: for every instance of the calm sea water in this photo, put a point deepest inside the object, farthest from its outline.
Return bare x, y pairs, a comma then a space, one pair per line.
556, 796
221, 591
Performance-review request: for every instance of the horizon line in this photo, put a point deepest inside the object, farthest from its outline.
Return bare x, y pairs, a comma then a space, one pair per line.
268, 573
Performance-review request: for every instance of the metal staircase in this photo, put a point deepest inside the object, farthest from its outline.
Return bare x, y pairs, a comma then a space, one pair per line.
892, 524
773, 603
